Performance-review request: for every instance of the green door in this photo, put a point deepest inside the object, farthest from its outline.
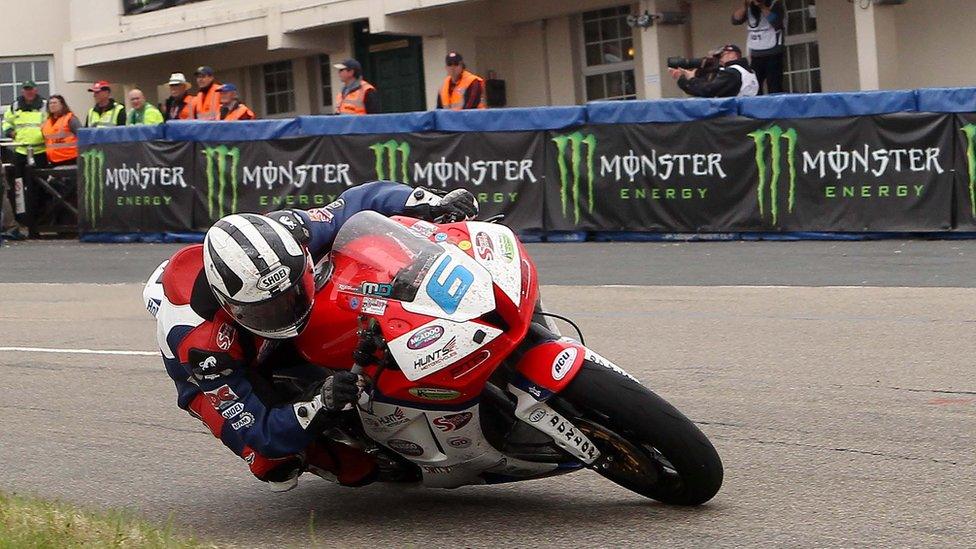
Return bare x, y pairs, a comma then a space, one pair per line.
394, 64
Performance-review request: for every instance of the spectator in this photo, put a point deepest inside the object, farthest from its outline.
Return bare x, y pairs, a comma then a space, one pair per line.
206, 104
22, 123
230, 106
734, 77
462, 89
180, 102
106, 112
357, 95
765, 40
142, 113
60, 131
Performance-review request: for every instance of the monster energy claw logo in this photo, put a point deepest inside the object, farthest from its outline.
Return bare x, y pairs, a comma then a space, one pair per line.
970, 131
93, 190
218, 173
391, 154
575, 142
776, 137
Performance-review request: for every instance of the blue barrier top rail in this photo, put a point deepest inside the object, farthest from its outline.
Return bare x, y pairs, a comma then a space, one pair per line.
818, 105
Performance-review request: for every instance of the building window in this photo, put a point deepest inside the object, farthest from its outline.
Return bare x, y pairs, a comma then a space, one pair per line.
279, 88
13, 73
801, 69
608, 51
325, 77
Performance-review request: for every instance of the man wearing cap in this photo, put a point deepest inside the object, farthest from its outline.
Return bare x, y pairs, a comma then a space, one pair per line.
734, 77
231, 107
179, 102
206, 104
22, 123
140, 112
462, 89
106, 112
357, 95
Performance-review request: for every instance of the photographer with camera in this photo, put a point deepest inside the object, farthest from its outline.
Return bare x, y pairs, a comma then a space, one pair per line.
733, 77
764, 19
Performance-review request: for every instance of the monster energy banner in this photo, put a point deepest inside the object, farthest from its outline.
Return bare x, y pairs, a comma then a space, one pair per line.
883, 173
965, 197
502, 170
900, 172
136, 187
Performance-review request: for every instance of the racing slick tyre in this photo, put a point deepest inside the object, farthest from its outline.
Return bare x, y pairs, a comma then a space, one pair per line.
646, 444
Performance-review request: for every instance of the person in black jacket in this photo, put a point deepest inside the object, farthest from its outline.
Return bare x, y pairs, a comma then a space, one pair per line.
734, 78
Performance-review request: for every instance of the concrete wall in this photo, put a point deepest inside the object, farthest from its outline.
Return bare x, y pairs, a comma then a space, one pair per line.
39, 33
936, 41
835, 37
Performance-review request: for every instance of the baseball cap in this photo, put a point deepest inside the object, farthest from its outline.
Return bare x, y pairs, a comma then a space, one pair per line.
28, 84
100, 85
227, 88
177, 78
730, 47
349, 64
204, 70
453, 58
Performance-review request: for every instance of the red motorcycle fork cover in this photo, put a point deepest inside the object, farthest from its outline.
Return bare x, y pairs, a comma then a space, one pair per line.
552, 365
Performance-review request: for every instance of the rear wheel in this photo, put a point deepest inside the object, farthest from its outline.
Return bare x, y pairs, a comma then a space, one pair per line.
646, 444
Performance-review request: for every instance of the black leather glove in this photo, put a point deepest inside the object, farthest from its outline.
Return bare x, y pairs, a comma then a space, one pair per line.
340, 389
457, 205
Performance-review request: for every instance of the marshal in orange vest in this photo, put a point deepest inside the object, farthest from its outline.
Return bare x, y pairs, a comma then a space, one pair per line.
354, 102
60, 142
206, 106
454, 99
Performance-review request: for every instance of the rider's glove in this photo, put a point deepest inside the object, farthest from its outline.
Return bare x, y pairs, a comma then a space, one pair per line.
318, 411
457, 205
340, 390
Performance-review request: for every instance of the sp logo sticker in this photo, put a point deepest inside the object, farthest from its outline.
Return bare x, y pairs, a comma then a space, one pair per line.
225, 336
563, 362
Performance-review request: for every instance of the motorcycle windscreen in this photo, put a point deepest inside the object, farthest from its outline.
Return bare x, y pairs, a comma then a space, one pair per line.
379, 250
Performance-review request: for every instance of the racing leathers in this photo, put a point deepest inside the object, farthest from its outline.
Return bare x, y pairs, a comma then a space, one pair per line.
223, 373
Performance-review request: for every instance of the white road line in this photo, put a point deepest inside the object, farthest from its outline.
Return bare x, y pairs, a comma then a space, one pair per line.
78, 351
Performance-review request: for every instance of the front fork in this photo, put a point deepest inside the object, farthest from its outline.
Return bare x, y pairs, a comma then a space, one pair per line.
546, 364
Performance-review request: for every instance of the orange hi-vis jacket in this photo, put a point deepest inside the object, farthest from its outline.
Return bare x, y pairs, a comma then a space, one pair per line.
454, 99
206, 106
354, 102
60, 142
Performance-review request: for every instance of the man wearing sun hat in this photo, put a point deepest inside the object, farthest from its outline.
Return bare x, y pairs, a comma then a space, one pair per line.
178, 104
106, 112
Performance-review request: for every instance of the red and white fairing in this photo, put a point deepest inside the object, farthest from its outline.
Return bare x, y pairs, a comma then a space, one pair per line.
452, 302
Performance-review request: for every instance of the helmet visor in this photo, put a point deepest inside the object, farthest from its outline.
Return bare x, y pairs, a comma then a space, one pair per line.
278, 317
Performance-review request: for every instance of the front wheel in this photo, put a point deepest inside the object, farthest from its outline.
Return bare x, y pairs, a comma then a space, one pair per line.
646, 444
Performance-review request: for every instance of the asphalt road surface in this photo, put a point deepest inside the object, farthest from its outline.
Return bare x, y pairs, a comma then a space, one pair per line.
835, 380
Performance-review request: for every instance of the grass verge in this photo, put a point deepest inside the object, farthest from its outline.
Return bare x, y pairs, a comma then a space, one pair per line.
32, 522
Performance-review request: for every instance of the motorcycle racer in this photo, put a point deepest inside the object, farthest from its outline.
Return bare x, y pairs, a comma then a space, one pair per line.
228, 309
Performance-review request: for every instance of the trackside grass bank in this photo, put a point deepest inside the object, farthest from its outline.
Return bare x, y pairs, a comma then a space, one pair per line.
30, 522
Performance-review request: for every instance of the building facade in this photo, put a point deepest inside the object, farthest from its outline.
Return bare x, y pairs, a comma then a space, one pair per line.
547, 52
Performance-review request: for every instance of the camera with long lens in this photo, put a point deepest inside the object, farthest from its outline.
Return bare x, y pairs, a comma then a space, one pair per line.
690, 63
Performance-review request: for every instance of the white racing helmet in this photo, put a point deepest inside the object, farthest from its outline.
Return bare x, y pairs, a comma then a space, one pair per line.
260, 274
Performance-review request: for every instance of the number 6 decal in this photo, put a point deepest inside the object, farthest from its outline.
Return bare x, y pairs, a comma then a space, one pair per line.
449, 292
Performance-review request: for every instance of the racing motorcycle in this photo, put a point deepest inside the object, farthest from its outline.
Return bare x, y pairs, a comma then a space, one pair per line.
470, 382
